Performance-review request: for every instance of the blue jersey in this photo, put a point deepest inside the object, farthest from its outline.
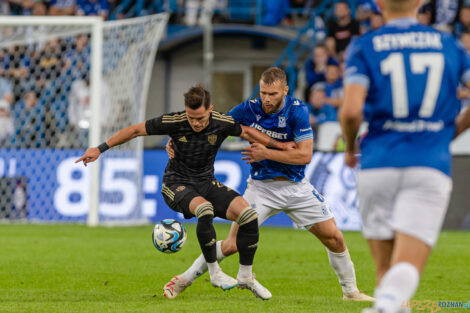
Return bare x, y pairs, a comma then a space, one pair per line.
290, 123
411, 72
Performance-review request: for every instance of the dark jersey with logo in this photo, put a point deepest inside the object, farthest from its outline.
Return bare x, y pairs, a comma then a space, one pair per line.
194, 152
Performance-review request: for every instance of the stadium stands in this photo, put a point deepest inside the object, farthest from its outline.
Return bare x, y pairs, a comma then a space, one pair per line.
26, 81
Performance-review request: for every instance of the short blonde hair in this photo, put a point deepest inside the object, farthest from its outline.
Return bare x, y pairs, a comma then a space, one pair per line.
272, 75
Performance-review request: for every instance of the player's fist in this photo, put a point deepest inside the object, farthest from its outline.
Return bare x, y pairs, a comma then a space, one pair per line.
90, 155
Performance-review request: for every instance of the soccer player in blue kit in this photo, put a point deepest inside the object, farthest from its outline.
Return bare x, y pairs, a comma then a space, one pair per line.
403, 80
278, 184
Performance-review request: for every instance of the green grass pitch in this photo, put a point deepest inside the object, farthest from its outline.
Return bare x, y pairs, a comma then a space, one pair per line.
72, 268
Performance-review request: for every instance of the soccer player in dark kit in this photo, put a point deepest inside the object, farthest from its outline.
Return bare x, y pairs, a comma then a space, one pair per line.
189, 185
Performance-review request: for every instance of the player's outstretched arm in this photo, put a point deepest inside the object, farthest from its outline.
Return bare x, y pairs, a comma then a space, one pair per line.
299, 156
122, 136
252, 135
350, 118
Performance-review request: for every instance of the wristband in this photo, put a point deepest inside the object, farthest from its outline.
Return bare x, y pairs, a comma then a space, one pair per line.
103, 147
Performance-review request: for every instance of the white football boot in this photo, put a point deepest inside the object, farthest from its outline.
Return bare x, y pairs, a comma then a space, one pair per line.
223, 281
175, 286
358, 296
252, 284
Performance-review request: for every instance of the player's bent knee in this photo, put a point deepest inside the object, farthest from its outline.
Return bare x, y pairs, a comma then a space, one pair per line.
204, 209
246, 216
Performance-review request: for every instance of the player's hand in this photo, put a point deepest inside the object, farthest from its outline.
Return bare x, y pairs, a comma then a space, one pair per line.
169, 149
351, 158
255, 153
90, 155
290, 145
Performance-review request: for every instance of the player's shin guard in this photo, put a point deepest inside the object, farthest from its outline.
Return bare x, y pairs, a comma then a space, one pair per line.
247, 236
205, 231
344, 269
398, 285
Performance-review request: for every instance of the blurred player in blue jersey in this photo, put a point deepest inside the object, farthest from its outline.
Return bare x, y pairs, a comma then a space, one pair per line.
402, 79
278, 184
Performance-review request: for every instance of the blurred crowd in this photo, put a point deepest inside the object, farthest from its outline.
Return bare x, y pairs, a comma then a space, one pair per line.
46, 86
324, 70
45, 94
58, 7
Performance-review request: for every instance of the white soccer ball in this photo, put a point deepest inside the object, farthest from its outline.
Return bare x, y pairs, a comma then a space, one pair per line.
169, 236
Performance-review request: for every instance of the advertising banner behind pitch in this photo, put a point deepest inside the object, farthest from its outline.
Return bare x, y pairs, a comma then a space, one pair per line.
57, 189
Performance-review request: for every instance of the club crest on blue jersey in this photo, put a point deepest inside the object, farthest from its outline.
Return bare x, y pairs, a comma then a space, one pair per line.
282, 121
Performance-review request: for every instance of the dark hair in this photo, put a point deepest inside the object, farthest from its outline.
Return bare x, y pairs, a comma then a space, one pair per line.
274, 74
197, 96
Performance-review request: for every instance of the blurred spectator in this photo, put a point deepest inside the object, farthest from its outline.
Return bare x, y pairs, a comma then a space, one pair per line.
319, 111
4, 7
6, 91
6, 123
195, 8
21, 7
364, 13
48, 64
320, 29
465, 39
425, 14
63, 7
29, 122
376, 21
274, 11
463, 24
341, 29
334, 84
39, 9
92, 7
79, 111
16, 62
444, 13
315, 68
77, 60
364, 10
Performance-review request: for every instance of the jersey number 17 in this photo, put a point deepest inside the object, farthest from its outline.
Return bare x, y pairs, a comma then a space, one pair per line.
395, 66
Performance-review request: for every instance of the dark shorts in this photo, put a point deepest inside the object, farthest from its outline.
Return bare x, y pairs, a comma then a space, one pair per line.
178, 196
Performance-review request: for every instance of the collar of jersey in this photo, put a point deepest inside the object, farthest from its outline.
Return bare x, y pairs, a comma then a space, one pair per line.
403, 21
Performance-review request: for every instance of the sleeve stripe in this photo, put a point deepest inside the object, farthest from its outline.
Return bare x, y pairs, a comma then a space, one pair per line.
359, 79
465, 76
304, 137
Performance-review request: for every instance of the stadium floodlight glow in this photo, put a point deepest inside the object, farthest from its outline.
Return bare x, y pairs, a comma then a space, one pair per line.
112, 71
